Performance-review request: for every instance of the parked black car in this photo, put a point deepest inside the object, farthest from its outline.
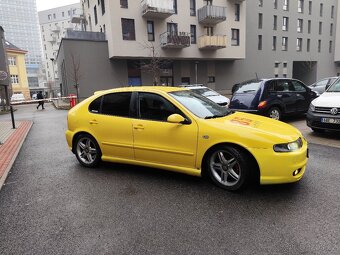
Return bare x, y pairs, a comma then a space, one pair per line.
272, 97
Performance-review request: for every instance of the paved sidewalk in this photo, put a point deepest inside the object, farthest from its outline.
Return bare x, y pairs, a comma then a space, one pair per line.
11, 142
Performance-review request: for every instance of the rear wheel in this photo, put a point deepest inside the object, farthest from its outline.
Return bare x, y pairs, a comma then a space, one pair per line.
274, 113
228, 168
87, 151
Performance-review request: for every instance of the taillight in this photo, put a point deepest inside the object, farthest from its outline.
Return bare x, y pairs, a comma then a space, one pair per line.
262, 105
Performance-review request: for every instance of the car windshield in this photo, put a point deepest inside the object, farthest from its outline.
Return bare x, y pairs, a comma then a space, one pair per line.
335, 87
199, 105
248, 87
205, 92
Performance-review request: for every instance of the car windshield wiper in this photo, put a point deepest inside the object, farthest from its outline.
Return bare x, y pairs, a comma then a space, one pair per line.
249, 90
216, 116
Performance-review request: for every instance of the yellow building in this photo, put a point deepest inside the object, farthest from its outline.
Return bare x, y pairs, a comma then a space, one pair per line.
17, 70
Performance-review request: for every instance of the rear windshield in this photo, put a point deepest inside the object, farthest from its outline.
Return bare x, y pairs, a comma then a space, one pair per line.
206, 92
250, 87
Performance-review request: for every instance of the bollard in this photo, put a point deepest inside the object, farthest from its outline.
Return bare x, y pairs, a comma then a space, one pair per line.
12, 116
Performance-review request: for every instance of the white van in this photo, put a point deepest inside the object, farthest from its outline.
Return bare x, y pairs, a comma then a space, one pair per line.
17, 97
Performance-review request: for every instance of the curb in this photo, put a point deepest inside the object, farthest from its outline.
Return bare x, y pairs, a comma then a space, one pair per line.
13, 146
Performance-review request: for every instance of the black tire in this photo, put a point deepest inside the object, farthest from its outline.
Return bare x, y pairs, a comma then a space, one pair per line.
228, 168
87, 150
274, 113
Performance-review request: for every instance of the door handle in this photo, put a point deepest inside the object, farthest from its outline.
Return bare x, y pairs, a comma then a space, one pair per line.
140, 127
93, 122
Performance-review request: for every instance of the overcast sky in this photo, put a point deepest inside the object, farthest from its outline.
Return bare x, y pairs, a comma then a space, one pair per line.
49, 4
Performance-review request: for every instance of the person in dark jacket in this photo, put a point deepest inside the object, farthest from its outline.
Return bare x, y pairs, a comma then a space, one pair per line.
40, 97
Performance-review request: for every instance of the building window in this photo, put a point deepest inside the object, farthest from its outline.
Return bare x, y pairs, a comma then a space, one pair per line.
172, 28
49, 16
319, 45
103, 6
284, 43
12, 61
151, 31
300, 25
309, 26
88, 3
285, 64
331, 30
332, 12
124, 4
260, 20
54, 16
310, 7
237, 12
193, 34
275, 4
259, 45
285, 24
95, 15
175, 6
308, 45
320, 28
285, 5
274, 43
330, 46
321, 10
298, 44
211, 79
192, 7
300, 6
14, 79
260, 3
275, 23
235, 37
128, 29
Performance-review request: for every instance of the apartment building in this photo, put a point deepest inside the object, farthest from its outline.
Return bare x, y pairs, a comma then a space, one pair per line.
53, 26
17, 69
289, 38
191, 36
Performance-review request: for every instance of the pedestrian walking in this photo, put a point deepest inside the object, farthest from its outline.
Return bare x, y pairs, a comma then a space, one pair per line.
40, 97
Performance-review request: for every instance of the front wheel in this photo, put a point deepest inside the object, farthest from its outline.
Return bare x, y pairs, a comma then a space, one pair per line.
228, 168
87, 151
274, 113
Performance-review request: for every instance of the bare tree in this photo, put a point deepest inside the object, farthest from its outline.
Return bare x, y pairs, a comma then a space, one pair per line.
74, 74
308, 65
155, 64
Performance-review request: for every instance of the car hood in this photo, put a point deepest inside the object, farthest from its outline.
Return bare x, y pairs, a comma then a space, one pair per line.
255, 126
328, 99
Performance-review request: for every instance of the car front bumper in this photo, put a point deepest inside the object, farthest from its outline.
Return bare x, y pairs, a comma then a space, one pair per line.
281, 167
314, 121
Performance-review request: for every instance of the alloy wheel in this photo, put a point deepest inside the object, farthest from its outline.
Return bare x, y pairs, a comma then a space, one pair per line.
86, 150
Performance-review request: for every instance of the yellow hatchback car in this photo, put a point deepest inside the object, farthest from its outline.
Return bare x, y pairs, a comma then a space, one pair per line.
178, 130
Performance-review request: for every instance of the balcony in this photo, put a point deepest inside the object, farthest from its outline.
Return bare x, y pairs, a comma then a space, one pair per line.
212, 42
175, 40
211, 15
51, 39
56, 29
157, 9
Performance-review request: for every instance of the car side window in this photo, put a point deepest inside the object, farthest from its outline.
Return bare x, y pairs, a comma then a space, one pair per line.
94, 107
155, 107
322, 83
298, 87
117, 104
282, 86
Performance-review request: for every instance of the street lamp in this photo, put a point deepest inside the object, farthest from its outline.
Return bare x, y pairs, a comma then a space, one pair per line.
52, 59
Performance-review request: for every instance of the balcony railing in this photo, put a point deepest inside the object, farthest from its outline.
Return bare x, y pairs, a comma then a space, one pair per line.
212, 42
175, 40
56, 29
211, 15
51, 39
159, 9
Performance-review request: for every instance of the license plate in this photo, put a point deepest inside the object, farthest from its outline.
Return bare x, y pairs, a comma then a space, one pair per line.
330, 120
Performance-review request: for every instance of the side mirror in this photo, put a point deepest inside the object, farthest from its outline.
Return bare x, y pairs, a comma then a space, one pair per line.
176, 118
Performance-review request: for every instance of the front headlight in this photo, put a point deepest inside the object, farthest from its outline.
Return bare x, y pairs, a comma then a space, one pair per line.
311, 107
288, 147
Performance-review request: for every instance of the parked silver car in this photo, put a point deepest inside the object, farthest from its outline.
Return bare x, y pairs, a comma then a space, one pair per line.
321, 85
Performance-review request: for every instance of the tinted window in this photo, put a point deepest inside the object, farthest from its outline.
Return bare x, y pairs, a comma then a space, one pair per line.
155, 107
248, 87
117, 104
95, 105
298, 87
283, 86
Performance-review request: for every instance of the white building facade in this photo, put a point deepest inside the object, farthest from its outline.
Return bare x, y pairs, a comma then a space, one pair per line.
54, 24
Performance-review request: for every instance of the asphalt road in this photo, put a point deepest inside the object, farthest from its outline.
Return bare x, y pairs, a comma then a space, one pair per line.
52, 205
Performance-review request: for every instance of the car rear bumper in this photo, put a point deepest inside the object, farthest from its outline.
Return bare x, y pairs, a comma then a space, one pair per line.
314, 121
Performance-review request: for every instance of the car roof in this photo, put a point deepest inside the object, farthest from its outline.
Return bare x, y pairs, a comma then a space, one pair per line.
165, 89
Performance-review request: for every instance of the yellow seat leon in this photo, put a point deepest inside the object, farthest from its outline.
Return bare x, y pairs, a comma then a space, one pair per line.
176, 129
